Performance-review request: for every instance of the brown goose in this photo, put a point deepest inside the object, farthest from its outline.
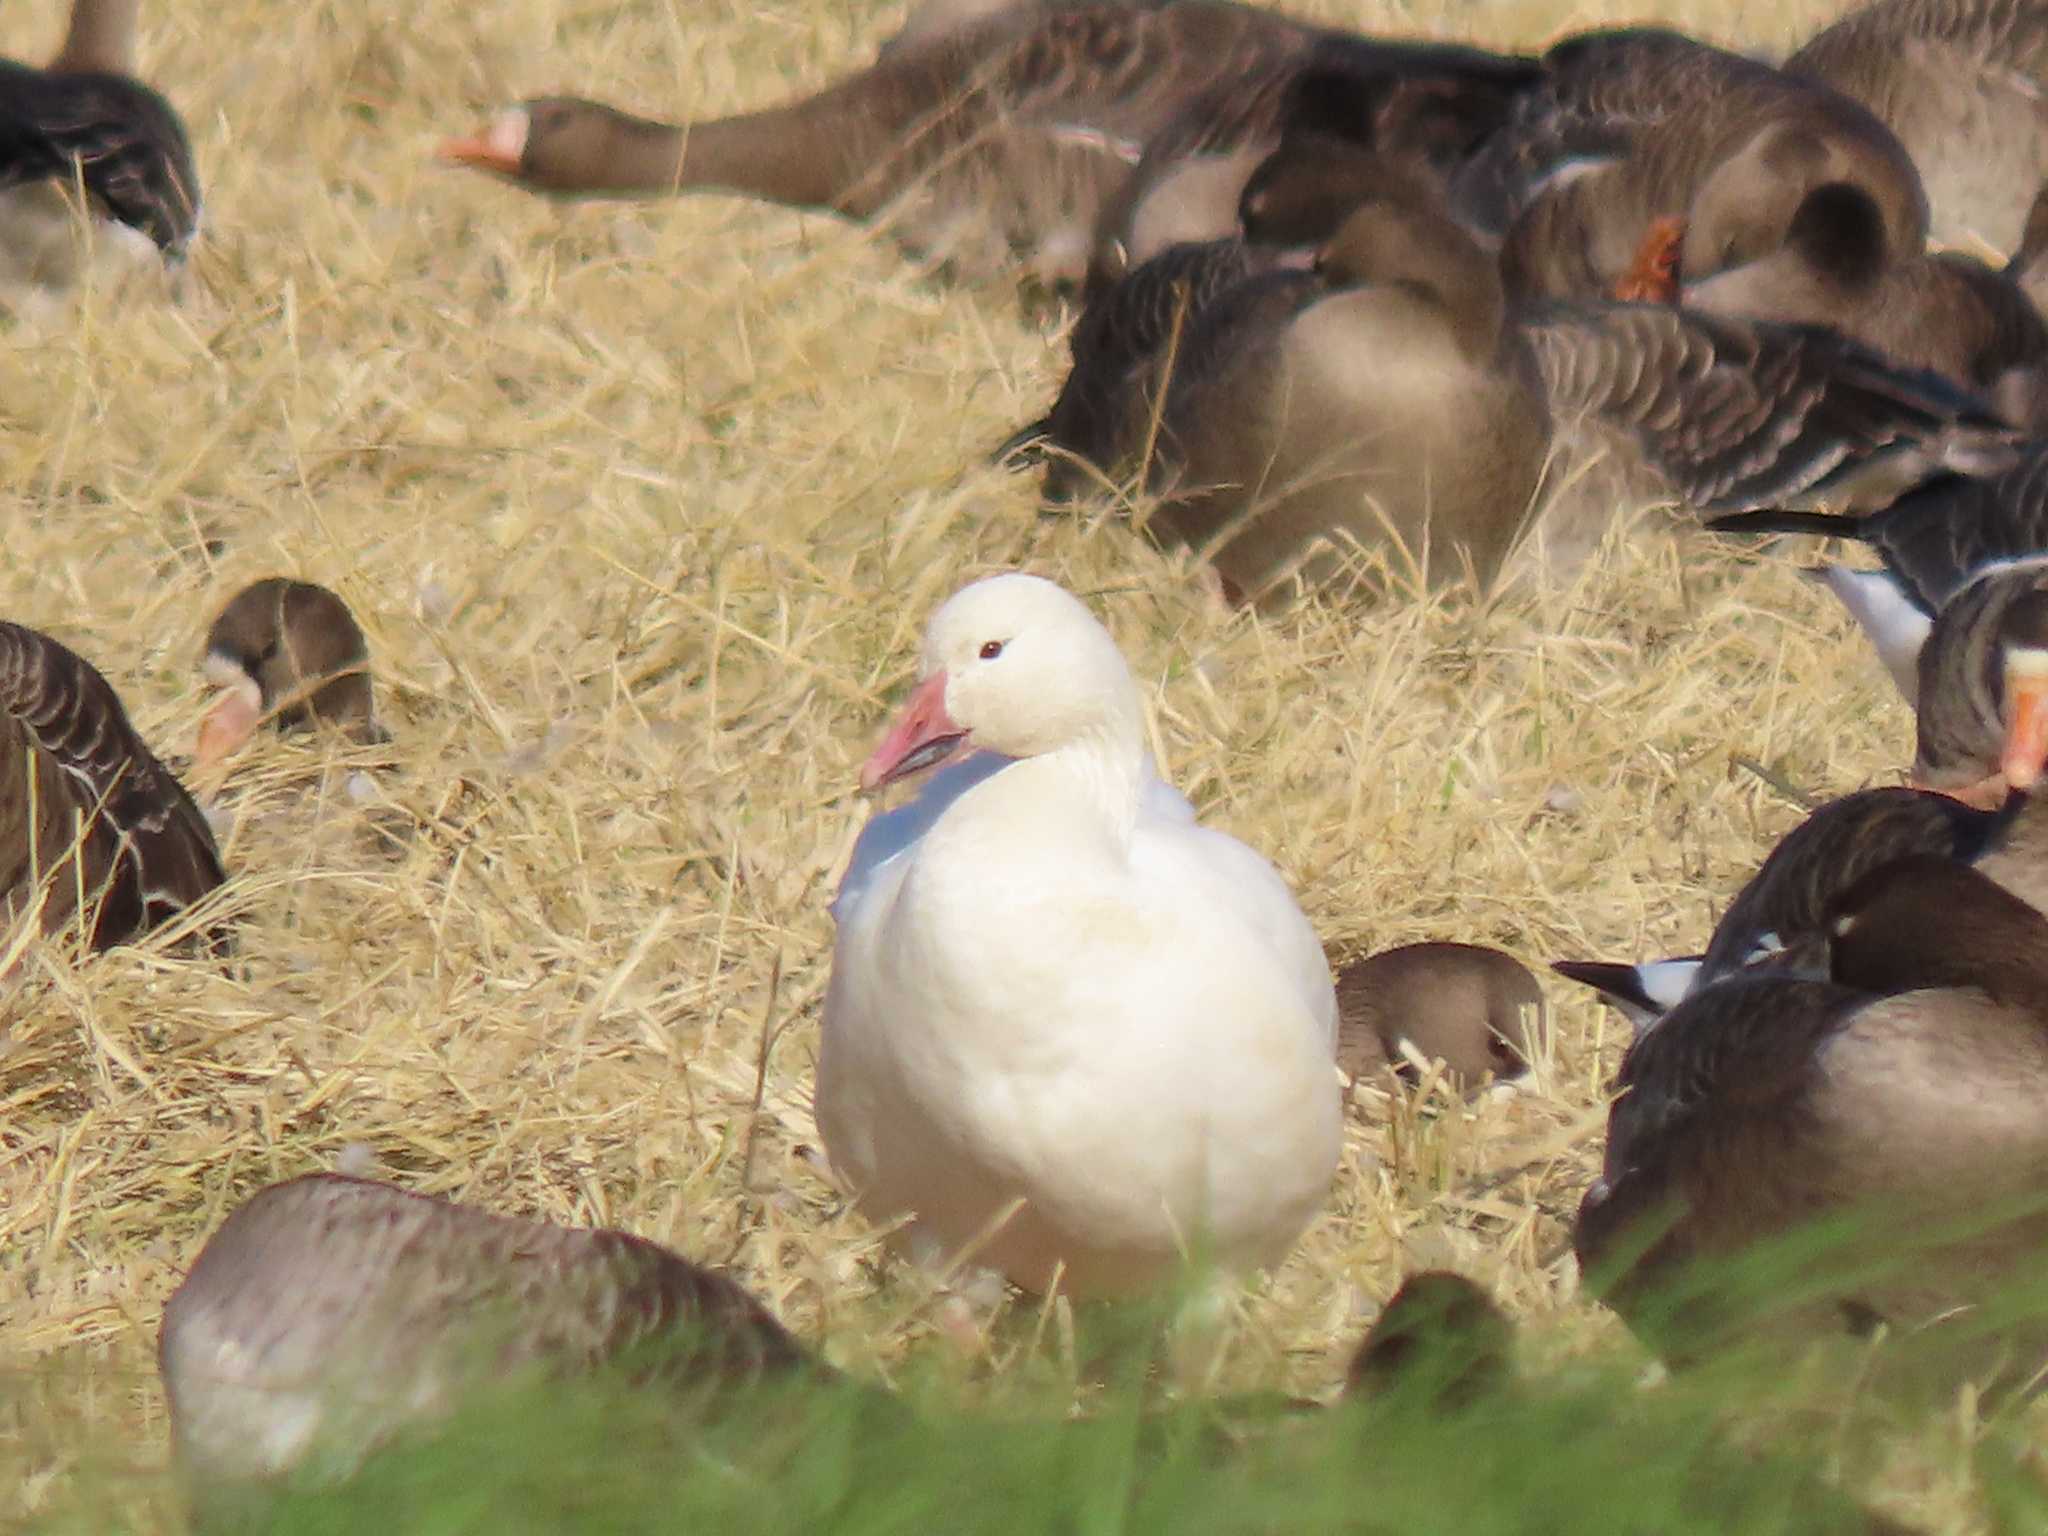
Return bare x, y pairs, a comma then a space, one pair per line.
290, 652
1011, 133
1906, 1084
1964, 86
1432, 116
86, 121
1734, 154
93, 829
1392, 402
1943, 310
1477, 1010
1122, 345
330, 1315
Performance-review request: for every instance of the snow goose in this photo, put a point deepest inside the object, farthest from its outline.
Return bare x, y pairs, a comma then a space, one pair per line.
287, 651
1071, 1032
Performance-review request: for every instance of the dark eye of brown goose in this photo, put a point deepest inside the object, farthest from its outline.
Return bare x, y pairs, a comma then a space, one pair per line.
991, 649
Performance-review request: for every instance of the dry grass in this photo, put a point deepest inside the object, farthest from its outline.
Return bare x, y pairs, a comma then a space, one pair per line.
643, 508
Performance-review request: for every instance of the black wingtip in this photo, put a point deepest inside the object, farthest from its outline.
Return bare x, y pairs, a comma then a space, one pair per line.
1026, 447
1840, 525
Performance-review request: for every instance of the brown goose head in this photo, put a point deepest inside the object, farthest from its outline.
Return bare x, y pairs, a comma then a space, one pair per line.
1301, 193
1438, 1332
287, 651
1982, 704
1477, 1010
568, 144
1398, 243
1925, 922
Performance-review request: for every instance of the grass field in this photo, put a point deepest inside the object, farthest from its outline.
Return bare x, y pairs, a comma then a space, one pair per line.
643, 508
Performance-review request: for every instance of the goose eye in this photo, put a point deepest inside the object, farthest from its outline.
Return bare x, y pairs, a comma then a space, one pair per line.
991, 649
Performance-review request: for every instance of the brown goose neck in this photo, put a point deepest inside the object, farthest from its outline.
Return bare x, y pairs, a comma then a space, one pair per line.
1927, 922
1424, 250
100, 38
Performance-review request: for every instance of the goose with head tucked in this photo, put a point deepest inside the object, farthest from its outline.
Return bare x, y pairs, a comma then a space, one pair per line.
1732, 155
85, 122
1942, 310
1070, 1032
1392, 403
1476, 1010
331, 1316
1964, 86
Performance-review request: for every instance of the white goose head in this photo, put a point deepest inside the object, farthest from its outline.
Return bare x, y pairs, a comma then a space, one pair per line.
1014, 665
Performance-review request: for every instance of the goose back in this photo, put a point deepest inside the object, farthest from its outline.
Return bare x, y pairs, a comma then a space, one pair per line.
329, 1314
1964, 86
87, 813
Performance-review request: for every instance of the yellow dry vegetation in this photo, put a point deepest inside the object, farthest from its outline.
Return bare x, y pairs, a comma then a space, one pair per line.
643, 508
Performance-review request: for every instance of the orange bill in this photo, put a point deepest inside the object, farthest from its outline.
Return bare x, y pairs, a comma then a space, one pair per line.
2026, 728
499, 146
1653, 277
228, 725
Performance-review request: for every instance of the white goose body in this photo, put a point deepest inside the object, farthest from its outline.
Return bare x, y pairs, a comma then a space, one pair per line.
1066, 993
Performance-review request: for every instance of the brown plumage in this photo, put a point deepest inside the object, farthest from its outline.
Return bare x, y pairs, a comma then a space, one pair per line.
1009, 133
329, 1315
1735, 152
1477, 1010
289, 652
1946, 311
1126, 339
1964, 86
1441, 1334
1906, 1085
92, 826
1391, 402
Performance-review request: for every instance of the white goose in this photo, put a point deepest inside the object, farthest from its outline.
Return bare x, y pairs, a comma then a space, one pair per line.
1069, 1029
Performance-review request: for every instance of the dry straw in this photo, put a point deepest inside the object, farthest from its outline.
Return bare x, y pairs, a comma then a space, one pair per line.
643, 508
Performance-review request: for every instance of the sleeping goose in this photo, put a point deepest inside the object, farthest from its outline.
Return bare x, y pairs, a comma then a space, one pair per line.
1008, 133
289, 652
1906, 1084
1475, 1009
1964, 86
1942, 310
330, 1315
1392, 402
1733, 155
93, 829
1069, 1031
1124, 343
87, 121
